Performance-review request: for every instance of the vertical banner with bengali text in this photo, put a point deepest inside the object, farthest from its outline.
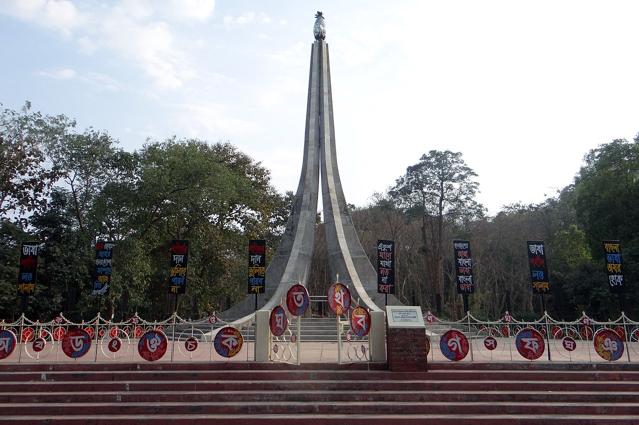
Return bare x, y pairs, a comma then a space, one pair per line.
614, 263
463, 267
538, 268
179, 251
385, 267
257, 267
28, 268
103, 268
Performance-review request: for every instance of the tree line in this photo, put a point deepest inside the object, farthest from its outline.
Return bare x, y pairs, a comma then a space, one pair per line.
67, 188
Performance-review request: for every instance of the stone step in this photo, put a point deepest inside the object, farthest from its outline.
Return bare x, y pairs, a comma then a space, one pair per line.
265, 375
292, 385
315, 419
406, 395
323, 407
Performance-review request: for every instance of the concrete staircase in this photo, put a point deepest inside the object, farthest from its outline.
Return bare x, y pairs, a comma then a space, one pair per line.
260, 393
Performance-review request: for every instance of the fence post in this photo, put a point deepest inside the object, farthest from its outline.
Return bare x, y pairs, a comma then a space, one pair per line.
625, 332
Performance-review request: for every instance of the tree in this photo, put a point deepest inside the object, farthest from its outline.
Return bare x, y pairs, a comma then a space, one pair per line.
25, 176
606, 199
440, 189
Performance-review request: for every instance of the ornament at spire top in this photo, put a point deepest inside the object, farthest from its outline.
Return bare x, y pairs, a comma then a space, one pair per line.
319, 29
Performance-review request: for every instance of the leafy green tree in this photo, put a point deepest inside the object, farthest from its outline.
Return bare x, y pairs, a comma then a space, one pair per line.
25, 176
606, 199
441, 190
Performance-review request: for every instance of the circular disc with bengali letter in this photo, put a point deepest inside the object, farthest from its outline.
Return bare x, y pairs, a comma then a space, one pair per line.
490, 343
360, 321
568, 343
58, 333
27, 335
339, 298
7, 343
190, 344
114, 344
38, 344
152, 345
530, 343
278, 321
228, 341
454, 345
76, 343
297, 300
608, 344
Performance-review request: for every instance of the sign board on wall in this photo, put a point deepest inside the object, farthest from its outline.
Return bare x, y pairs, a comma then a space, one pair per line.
402, 316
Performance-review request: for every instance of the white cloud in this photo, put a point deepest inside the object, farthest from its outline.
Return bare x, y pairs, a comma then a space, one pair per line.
58, 74
59, 15
140, 31
246, 18
210, 121
198, 10
96, 79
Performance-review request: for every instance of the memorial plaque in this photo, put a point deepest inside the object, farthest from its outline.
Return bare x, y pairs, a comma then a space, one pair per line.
404, 316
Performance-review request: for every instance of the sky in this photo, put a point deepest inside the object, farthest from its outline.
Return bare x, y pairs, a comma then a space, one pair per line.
522, 89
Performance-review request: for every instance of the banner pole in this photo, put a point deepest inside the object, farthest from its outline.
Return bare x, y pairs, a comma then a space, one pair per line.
543, 305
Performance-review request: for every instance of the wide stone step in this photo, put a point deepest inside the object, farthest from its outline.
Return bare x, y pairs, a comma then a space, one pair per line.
315, 419
407, 395
292, 385
452, 375
324, 407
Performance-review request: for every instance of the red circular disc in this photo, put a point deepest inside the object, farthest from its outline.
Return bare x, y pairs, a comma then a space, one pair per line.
621, 332
557, 332
190, 344
490, 343
278, 321
360, 321
90, 331
297, 300
586, 332
27, 335
454, 345
339, 298
608, 344
138, 331
113, 332
114, 344
505, 331
76, 343
427, 348
58, 333
569, 344
152, 345
7, 343
228, 341
530, 343
39, 344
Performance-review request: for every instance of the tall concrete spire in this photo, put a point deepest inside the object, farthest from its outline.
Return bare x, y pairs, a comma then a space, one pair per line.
346, 256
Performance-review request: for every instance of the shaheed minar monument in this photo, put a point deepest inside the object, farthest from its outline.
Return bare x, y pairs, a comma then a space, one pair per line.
346, 257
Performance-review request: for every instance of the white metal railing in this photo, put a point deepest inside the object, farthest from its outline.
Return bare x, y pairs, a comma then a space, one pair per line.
544, 339
134, 339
